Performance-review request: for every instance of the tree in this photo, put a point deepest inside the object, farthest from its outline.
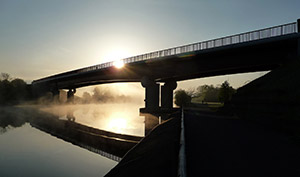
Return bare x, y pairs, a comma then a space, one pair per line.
102, 95
20, 91
182, 98
5, 76
86, 97
208, 93
13, 91
226, 92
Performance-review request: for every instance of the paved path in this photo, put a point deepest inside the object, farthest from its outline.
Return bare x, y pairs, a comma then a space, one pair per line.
218, 146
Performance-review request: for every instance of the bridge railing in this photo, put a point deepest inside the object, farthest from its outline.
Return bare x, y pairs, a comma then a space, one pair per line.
234, 39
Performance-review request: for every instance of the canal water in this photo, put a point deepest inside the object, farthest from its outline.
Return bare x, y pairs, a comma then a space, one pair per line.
29, 151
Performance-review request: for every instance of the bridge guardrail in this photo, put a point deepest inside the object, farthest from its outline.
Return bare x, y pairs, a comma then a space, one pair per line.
234, 39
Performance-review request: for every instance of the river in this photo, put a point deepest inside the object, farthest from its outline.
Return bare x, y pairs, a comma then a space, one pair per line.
26, 150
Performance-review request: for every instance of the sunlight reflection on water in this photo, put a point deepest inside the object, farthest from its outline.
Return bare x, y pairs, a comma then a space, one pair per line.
119, 118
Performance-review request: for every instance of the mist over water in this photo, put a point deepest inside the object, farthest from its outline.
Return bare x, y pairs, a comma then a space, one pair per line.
111, 93
27, 141
115, 117
110, 107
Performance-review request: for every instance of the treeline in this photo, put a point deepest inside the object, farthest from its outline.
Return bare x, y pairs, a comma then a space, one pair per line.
13, 91
97, 96
102, 95
205, 93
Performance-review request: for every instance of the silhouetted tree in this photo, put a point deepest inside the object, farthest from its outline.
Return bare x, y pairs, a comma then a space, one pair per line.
20, 90
105, 95
226, 92
182, 98
13, 91
208, 93
5, 76
102, 95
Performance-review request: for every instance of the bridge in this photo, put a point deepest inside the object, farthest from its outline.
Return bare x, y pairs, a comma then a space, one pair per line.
258, 50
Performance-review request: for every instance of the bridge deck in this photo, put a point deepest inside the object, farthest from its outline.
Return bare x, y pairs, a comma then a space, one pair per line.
160, 65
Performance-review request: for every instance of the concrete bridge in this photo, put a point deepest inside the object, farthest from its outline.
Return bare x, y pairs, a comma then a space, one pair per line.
258, 50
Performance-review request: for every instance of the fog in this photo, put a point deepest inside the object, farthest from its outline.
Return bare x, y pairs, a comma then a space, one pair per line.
110, 107
108, 95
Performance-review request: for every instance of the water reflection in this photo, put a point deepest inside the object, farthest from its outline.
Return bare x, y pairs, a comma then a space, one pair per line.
10, 119
106, 128
27, 151
118, 118
108, 144
109, 130
70, 116
95, 127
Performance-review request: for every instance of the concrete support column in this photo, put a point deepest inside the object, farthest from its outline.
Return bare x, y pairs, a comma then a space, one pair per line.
167, 94
70, 95
55, 95
151, 95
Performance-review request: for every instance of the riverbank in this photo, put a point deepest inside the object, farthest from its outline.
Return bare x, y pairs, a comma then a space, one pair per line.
156, 155
272, 100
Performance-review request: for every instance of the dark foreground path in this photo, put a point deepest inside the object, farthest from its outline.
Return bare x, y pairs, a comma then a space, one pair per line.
218, 146
155, 156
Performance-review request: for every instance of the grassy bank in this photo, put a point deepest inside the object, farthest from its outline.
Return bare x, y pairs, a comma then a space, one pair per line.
272, 100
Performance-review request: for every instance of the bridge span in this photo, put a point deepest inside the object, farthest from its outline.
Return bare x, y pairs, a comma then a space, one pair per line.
258, 50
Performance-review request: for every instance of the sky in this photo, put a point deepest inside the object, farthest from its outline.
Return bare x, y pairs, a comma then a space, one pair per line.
39, 38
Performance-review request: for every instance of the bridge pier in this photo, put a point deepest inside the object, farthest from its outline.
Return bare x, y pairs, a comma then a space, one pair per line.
151, 95
55, 95
167, 95
70, 95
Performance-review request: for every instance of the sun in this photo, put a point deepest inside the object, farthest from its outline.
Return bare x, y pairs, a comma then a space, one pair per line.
118, 63
117, 56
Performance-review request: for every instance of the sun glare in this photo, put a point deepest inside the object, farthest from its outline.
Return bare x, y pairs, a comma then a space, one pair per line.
119, 63
117, 124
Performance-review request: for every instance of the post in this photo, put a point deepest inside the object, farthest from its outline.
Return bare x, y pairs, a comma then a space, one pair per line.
167, 94
151, 95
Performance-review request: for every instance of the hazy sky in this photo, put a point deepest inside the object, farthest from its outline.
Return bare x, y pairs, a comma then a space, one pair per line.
40, 38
